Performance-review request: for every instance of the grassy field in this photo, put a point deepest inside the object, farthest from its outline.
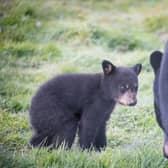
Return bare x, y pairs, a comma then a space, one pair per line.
39, 39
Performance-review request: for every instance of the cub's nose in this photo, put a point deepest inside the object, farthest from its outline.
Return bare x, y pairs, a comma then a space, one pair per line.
133, 103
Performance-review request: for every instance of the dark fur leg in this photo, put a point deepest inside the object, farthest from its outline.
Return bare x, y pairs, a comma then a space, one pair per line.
66, 135
90, 125
87, 133
100, 140
40, 140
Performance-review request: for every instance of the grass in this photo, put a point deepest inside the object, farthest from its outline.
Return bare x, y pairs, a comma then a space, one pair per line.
39, 39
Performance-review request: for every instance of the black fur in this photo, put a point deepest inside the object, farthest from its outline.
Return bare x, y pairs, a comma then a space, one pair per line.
160, 88
163, 89
82, 102
155, 60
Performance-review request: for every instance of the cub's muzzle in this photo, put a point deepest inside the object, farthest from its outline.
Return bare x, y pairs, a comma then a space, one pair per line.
128, 98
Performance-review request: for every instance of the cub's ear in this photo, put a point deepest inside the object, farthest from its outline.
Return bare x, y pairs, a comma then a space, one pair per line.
137, 68
108, 67
155, 60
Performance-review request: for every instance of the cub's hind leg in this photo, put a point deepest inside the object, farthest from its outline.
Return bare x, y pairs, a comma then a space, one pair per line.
66, 134
43, 139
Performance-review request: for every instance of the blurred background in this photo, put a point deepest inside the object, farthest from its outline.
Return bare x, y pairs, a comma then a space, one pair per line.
39, 39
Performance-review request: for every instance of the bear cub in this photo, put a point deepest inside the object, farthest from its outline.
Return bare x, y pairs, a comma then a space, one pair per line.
81, 103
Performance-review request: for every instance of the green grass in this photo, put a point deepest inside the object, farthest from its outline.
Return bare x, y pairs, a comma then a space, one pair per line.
39, 39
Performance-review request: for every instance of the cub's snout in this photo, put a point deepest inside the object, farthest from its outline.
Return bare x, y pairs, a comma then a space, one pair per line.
127, 95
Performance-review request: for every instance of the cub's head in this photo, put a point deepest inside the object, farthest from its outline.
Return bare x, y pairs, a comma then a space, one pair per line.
120, 83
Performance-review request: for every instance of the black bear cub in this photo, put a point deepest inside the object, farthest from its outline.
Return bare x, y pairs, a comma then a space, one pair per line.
159, 62
81, 103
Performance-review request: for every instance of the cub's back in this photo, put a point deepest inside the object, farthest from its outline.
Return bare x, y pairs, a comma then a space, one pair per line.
69, 89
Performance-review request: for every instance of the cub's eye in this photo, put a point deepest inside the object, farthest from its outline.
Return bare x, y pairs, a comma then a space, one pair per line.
136, 87
122, 88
